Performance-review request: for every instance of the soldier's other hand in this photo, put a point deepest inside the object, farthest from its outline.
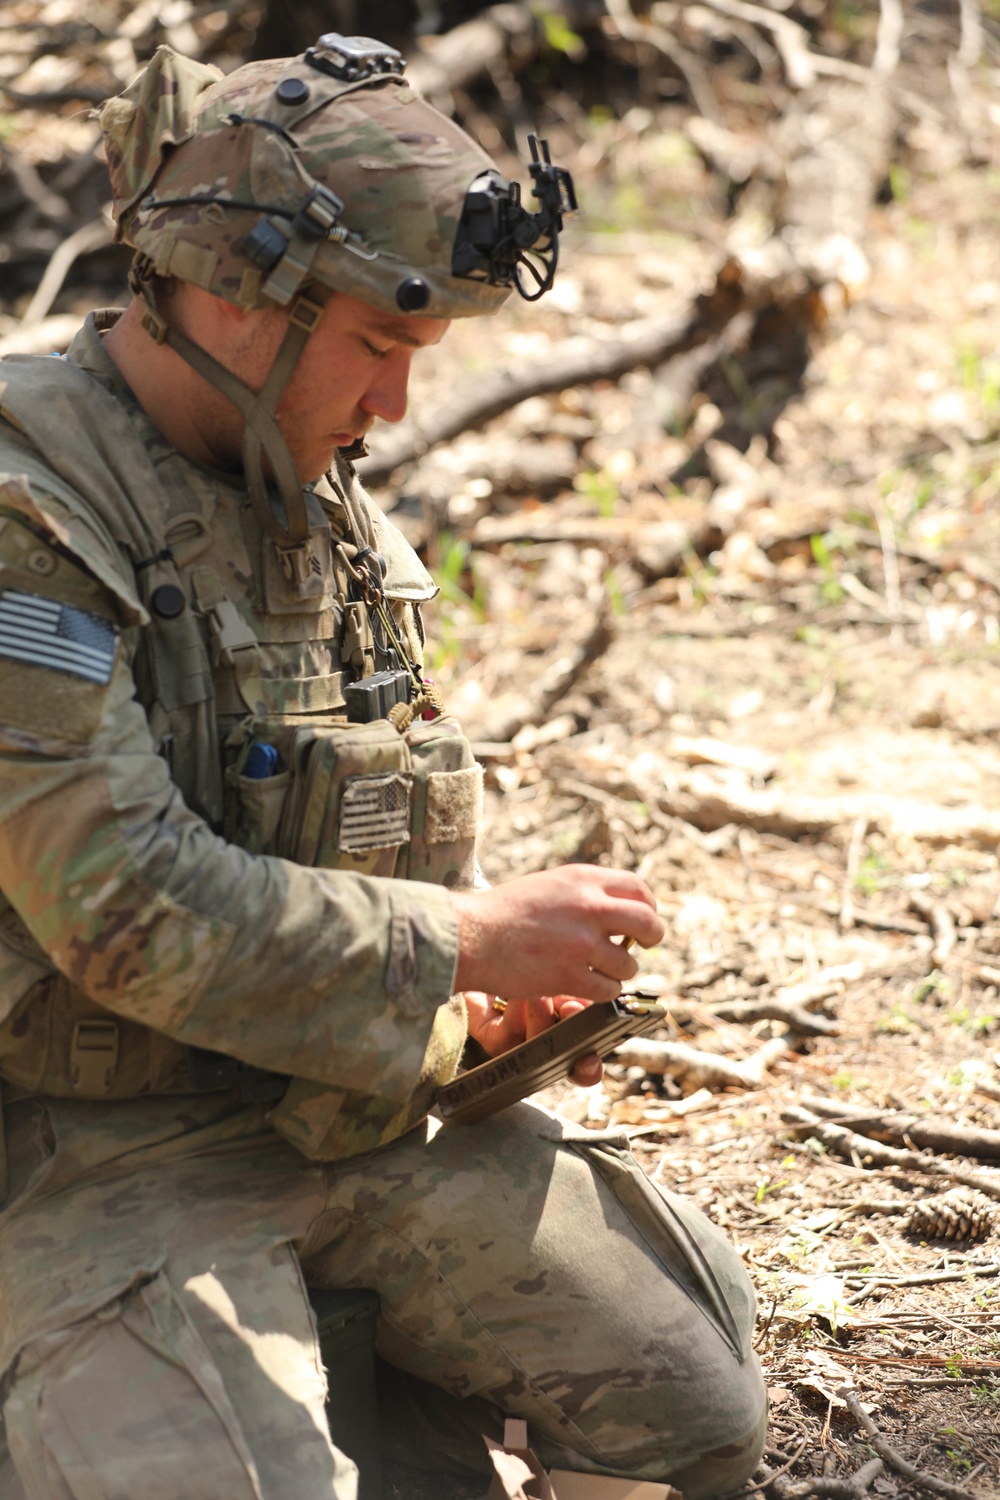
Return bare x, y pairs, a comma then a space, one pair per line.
500, 1025
558, 932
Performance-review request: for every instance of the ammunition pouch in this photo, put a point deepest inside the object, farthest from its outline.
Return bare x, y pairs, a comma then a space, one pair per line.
369, 799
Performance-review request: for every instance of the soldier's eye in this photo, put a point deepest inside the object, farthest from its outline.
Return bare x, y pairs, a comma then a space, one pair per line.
374, 350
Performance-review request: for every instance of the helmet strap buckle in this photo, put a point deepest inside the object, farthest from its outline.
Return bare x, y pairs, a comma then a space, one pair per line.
155, 325
305, 312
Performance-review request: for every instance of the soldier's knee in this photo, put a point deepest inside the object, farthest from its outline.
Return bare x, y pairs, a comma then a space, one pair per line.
734, 1449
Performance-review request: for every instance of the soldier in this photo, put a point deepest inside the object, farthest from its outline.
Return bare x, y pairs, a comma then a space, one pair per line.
240, 944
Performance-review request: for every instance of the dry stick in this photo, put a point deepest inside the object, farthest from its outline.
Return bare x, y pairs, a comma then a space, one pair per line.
704, 1069
48, 204
924, 1131
890, 569
971, 43
861, 1147
854, 852
920, 1361
941, 923
890, 34
458, 57
895, 1460
535, 703
791, 39
630, 29
90, 237
922, 1278
575, 362
745, 1012
772, 1475
828, 1488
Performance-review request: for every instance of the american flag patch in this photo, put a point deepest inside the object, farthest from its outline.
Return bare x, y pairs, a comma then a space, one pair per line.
374, 812
45, 633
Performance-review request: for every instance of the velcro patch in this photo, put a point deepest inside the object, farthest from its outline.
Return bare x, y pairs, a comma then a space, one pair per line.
375, 812
46, 633
453, 805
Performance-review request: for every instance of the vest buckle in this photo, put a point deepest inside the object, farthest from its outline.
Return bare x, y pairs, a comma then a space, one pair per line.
93, 1056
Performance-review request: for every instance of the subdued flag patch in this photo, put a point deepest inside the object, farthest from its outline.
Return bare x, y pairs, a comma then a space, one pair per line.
45, 633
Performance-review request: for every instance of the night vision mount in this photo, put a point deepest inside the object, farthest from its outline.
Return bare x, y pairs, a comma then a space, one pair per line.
351, 58
498, 239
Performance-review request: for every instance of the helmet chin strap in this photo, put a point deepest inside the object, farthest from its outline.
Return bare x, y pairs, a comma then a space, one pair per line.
262, 437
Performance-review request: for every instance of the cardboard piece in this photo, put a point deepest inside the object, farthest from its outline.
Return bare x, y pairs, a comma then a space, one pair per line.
568, 1485
518, 1475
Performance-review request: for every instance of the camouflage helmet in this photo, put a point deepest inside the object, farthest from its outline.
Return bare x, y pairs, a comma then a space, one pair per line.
289, 180
323, 170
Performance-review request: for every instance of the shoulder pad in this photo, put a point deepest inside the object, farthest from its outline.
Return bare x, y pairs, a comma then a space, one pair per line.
51, 529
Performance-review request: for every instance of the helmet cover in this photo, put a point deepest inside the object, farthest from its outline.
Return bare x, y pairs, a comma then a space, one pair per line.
280, 175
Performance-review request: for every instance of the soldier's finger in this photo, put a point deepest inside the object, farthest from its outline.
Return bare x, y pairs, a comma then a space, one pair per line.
596, 986
614, 960
588, 1071
541, 1014
638, 921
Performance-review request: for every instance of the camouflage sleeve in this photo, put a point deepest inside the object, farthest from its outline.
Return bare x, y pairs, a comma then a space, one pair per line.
330, 976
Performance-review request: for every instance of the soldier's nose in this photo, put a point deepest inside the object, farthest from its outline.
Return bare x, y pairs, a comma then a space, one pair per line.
386, 396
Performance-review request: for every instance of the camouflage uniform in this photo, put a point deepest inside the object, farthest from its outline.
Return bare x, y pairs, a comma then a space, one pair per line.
155, 1243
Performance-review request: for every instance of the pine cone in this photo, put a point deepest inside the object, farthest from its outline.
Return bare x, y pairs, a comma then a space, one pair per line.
958, 1215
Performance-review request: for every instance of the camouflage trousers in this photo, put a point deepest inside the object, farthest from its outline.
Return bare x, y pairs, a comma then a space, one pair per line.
525, 1267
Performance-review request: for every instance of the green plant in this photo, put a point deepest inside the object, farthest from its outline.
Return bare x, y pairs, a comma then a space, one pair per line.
613, 589
899, 182
600, 489
559, 35
932, 983
831, 591
897, 1022
871, 873
766, 1186
454, 600
974, 1025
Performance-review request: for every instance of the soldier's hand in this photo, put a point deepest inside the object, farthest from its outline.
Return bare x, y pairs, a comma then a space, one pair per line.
555, 933
497, 1025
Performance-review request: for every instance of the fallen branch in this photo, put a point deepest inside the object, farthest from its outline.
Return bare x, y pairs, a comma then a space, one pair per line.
91, 236
711, 803
460, 56
924, 1131
895, 1460
533, 704
796, 1017
941, 923
873, 1280
854, 853
647, 33
826, 1487
921, 1361
575, 362
861, 1149
701, 1069
46, 203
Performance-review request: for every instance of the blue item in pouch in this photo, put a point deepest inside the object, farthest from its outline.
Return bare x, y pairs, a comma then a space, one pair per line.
261, 762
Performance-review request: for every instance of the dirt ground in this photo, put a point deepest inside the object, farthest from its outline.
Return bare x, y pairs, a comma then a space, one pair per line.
831, 672
791, 731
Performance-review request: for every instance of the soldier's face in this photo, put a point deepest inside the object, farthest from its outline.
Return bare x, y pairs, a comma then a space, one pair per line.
355, 367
